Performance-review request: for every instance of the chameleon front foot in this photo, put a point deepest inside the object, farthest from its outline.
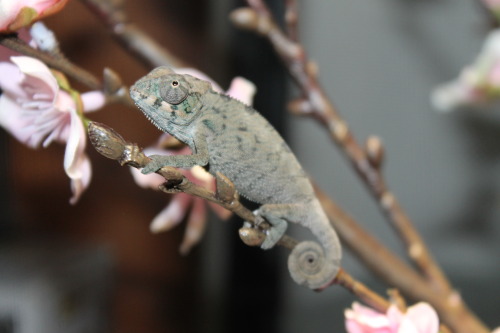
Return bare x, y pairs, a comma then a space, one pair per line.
157, 162
308, 266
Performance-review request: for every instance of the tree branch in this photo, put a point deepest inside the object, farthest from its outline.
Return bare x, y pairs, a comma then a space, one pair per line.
112, 145
113, 15
366, 161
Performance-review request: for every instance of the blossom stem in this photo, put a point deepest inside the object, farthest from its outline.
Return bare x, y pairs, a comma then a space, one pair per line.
112, 13
368, 296
14, 43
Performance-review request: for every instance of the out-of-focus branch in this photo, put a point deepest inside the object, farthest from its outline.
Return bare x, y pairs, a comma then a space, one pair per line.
111, 84
113, 14
367, 162
360, 290
390, 268
14, 43
315, 103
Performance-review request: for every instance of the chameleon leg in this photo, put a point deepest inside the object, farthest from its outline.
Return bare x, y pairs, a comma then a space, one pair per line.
310, 264
276, 215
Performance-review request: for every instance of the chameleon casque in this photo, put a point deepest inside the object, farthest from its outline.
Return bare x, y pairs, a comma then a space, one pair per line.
232, 138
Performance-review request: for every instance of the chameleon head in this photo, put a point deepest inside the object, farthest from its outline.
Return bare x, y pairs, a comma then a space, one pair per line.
167, 97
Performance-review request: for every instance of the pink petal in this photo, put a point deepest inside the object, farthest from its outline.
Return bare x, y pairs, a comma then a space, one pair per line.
361, 319
9, 9
10, 80
195, 227
34, 68
147, 181
221, 212
78, 185
93, 100
171, 215
242, 90
74, 147
8, 12
423, 317
10, 119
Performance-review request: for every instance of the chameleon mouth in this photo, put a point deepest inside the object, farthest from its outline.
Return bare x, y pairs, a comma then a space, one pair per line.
151, 120
136, 97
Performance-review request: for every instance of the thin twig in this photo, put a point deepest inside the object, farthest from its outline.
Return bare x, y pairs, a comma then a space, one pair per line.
113, 15
111, 85
366, 162
291, 19
62, 64
319, 106
364, 293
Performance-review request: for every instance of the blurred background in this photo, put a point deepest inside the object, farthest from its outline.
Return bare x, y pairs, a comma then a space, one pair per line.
378, 60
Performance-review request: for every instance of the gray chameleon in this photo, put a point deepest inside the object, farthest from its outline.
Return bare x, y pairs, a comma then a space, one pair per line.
232, 138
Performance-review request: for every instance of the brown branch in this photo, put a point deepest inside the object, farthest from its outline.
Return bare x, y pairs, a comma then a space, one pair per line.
259, 19
291, 19
369, 297
59, 63
390, 268
112, 145
113, 15
367, 163
111, 85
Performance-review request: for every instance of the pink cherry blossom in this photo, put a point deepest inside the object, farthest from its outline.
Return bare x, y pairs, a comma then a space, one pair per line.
36, 112
477, 84
15, 14
182, 204
492, 4
419, 318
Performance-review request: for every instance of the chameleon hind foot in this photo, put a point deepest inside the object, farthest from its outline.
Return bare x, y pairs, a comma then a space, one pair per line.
273, 234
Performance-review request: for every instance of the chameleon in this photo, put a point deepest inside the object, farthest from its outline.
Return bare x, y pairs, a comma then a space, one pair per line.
230, 137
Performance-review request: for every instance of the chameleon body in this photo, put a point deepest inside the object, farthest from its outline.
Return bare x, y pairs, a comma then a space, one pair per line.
232, 138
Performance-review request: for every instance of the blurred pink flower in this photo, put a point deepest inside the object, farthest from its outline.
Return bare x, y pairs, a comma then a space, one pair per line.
477, 84
419, 318
239, 88
492, 4
496, 330
182, 204
35, 111
15, 14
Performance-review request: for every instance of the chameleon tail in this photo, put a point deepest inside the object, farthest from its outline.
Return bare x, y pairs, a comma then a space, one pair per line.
313, 265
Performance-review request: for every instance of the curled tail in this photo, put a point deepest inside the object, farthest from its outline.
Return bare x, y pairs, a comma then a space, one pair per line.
311, 264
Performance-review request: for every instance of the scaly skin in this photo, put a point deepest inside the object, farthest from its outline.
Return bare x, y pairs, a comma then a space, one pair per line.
229, 137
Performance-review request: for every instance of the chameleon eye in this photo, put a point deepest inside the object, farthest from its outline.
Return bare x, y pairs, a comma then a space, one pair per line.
173, 93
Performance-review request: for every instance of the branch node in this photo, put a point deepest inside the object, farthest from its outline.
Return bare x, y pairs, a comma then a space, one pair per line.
248, 19
374, 151
225, 190
340, 130
251, 236
387, 200
300, 107
415, 251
